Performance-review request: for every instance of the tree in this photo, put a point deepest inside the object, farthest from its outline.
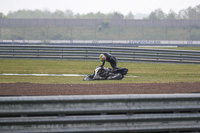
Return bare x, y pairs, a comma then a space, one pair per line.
129, 16
2, 15
182, 14
190, 13
193, 13
58, 14
198, 11
100, 15
90, 15
105, 24
171, 15
69, 14
44, 14
157, 14
117, 15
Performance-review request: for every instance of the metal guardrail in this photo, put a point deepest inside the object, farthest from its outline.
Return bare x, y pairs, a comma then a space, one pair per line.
144, 113
92, 53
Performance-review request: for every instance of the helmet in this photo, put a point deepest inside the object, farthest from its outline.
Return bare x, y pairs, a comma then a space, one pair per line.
102, 57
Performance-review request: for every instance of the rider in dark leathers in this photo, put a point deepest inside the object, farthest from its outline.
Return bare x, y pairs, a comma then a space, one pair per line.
109, 58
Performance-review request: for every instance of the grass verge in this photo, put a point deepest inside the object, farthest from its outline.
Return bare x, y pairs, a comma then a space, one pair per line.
146, 72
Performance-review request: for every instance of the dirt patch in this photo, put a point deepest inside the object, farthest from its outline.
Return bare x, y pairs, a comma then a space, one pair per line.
28, 89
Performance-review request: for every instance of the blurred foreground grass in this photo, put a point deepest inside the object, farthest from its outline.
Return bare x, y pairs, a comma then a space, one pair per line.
145, 72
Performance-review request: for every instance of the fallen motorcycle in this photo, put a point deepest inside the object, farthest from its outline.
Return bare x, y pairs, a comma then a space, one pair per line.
102, 73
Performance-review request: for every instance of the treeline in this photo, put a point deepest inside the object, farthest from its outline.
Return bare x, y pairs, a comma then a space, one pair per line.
189, 13
68, 14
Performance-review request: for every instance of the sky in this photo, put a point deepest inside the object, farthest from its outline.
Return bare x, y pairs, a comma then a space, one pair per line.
104, 6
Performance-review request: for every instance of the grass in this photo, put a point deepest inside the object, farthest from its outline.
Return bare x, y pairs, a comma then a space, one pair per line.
146, 72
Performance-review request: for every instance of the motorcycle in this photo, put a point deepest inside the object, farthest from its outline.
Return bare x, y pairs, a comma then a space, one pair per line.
102, 73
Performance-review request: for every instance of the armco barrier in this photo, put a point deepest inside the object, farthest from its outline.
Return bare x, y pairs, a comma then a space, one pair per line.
166, 113
92, 53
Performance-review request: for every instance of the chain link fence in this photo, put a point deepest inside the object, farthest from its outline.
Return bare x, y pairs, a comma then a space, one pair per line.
98, 29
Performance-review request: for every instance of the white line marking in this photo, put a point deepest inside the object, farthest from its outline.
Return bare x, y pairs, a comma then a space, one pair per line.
131, 76
14, 74
64, 75
158, 46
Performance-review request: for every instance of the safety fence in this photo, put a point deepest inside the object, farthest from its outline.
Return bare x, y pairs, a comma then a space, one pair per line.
96, 22
98, 29
92, 53
146, 113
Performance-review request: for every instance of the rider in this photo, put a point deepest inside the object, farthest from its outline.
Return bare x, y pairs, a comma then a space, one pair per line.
109, 58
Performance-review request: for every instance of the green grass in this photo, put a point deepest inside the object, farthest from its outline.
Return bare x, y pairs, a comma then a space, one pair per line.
146, 72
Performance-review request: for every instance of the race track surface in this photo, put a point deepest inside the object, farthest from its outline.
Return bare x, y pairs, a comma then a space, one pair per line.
30, 89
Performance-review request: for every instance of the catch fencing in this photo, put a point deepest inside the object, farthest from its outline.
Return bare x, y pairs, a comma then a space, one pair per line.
92, 53
96, 22
98, 29
146, 113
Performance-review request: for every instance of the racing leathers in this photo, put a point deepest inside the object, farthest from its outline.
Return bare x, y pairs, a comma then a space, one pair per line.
111, 59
